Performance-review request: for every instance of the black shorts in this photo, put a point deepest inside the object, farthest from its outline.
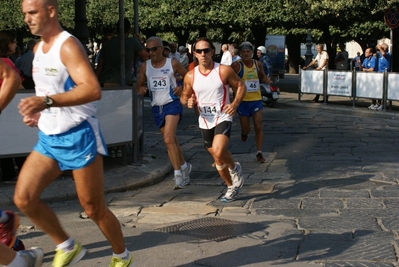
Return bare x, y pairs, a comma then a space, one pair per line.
222, 128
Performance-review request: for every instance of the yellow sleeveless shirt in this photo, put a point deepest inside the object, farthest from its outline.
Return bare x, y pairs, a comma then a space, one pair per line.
251, 80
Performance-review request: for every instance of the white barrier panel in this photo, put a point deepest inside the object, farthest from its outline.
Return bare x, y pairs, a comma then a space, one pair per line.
393, 86
114, 114
369, 84
312, 81
339, 83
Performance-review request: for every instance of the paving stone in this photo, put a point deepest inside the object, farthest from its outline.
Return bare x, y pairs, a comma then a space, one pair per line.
322, 203
391, 223
276, 204
328, 247
360, 203
357, 264
391, 202
296, 213
391, 191
335, 193
348, 223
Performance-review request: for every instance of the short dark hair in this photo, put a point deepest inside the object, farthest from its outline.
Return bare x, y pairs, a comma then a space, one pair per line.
127, 25
205, 39
6, 37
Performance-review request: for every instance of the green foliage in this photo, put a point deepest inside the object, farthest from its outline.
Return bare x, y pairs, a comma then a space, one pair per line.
343, 19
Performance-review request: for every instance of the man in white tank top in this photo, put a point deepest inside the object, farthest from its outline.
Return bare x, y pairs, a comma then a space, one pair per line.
69, 136
158, 74
207, 87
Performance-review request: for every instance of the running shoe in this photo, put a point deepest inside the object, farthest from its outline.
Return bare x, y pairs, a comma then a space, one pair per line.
119, 153
18, 245
178, 181
8, 229
118, 262
379, 108
231, 194
68, 258
260, 158
186, 174
373, 107
236, 176
33, 256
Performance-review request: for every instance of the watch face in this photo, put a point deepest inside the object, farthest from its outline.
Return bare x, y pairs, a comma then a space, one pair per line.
49, 101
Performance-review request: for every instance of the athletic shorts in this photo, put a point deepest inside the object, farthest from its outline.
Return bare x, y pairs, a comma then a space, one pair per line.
249, 108
160, 112
74, 149
222, 128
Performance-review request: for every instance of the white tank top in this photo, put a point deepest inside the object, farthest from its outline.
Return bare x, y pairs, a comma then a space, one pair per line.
161, 82
212, 97
51, 77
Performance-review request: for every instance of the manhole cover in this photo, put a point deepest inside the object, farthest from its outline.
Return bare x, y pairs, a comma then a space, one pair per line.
211, 228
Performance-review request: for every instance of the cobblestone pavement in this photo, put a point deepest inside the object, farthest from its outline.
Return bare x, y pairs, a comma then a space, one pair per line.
328, 195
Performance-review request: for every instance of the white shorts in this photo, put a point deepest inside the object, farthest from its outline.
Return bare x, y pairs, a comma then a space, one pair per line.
74, 149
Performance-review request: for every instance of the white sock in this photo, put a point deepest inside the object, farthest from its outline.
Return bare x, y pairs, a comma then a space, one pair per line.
124, 256
184, 166
259, 151
18, 261
67, 245
3, 217
177, 172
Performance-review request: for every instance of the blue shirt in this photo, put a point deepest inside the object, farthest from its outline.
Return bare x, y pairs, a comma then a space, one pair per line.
384, 62
267, 65
369, 63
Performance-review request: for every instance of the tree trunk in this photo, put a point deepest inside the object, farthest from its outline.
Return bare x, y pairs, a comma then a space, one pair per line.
259, 33
294, 51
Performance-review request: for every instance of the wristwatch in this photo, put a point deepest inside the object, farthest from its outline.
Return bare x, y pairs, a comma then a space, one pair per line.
48, 101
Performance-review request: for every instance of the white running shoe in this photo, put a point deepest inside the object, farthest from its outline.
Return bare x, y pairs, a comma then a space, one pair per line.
231, 194
33, 256
373, 107
236, 176
380, 107
178, 181
186, 174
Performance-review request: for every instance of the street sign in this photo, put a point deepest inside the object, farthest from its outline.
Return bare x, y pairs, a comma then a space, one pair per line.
391, 17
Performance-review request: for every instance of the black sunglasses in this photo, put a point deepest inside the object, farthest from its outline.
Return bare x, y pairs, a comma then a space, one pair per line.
152, 49
205, 50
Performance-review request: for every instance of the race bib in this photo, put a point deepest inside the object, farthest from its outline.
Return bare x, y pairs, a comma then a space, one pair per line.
210, 110
252, 85
159, 83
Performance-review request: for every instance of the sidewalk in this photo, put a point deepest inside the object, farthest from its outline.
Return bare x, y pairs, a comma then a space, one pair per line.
328, 195
155, 164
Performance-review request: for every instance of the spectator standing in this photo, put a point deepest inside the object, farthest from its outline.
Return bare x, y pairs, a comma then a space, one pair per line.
24, 64
158, 74
251, 72
227, 59
235, 55
267, 64
383, 62
356, 61
321, 62
207, 86
369, 64
109, 65
69, 136
173, 51
183, 56
341, 59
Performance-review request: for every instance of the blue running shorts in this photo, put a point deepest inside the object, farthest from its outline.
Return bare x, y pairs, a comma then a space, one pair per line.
74, 149
160, 112
249, 108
